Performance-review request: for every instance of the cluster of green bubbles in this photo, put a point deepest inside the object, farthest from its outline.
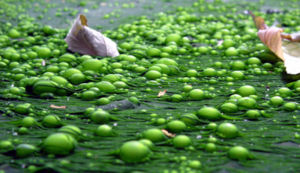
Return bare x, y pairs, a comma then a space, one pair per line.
61, 143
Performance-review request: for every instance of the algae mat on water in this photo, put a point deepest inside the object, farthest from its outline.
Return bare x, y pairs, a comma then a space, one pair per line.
193, 68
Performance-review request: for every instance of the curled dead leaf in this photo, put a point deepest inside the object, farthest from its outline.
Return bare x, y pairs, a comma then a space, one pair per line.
85, 40
259, 21
295, 37
271, 37
171, 135
57, 107
291, 52
284, 46
161, 93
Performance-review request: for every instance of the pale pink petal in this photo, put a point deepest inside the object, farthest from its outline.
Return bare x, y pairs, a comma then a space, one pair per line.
220, 42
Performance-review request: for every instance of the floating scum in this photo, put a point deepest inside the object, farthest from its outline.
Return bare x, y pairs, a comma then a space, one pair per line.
188, 93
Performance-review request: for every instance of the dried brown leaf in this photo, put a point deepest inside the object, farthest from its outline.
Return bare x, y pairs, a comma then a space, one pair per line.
295, 37
171, 135
83, 20
57, 107
284, 46
85, 40
161, 93
271, 37
259, 21
291, 53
